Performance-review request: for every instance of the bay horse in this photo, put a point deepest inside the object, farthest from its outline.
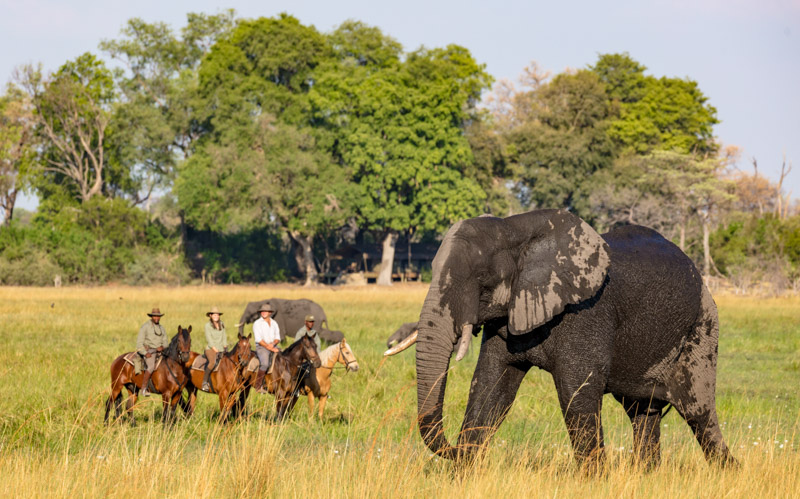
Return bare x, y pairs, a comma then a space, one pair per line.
169, 378
282, 382
318, 384
226, 380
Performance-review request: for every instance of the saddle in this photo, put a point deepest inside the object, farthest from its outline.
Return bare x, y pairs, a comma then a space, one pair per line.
200, 362
134, 359
253, 365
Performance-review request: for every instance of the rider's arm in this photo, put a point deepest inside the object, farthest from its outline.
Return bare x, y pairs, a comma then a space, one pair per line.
140, 340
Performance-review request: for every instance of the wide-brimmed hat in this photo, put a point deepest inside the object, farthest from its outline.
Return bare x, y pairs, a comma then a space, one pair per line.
155, 313
266, 307
310, 318
214, 310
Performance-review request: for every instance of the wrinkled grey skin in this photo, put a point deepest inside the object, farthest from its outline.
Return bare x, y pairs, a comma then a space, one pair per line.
402, 333
626, 313
290, 317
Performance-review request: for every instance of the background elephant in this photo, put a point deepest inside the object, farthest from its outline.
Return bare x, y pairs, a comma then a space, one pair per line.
402, 333
290, 316
626, 313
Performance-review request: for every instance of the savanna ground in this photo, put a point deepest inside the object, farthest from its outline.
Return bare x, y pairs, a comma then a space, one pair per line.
56, 346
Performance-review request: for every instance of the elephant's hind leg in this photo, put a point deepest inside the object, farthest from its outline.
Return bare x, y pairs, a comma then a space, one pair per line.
645, 416
691, 388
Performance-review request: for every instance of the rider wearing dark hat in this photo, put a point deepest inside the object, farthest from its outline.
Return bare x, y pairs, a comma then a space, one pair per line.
152, 340
216, 344
267, 335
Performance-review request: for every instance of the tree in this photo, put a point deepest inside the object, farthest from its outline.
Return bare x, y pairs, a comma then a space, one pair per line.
564, 142
17, 151
159, 104
72, 113
259, 164
400, 131
656, 113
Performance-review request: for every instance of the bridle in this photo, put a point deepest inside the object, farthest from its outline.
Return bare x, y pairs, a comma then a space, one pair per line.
344, 360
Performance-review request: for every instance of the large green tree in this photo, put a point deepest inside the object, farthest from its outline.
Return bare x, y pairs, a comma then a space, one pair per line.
260, 163
17, 146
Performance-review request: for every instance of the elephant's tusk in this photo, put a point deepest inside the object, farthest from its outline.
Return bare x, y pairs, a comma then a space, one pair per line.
402, 345
463, 345
239, 324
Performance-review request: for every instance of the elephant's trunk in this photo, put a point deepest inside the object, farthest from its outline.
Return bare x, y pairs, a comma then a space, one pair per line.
435, 343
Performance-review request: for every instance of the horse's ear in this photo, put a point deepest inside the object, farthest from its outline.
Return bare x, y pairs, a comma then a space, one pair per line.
179, 329
344, 341
190, 329
249, 336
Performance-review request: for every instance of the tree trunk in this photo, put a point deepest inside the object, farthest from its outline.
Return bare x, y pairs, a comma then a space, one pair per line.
304, 254
8, 206
387, 258
706, 247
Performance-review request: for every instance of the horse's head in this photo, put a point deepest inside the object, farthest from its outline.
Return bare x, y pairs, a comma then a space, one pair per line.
183, 341
241, 353
346, 356
310, 350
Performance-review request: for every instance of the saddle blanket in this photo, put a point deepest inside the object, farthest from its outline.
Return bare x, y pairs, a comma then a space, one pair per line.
253, 365
200, 362
134, 359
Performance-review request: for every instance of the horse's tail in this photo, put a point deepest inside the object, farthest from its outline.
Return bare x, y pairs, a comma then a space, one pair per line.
112, 400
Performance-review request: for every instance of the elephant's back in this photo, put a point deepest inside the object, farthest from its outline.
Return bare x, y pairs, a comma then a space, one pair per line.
656, 293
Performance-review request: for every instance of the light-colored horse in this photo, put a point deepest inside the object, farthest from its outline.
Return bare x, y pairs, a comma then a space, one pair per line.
337, 353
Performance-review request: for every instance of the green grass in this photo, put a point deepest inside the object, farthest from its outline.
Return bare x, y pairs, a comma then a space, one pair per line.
56, 346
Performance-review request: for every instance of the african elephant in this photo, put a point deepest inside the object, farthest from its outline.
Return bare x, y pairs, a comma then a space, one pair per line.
290, 315
626, 313
402, 333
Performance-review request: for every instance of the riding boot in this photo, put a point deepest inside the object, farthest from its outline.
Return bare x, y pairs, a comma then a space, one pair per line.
206, 376
260, 382
145, 380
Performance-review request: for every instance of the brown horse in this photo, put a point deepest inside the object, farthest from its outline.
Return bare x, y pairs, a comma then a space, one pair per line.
282, 382
168, 379
225, 381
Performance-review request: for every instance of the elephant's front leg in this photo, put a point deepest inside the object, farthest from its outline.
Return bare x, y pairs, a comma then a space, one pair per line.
492, 391
580, 394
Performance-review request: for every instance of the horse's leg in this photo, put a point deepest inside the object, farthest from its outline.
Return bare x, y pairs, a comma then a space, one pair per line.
224, 406
310, 404
322, 400
129, 405
112, 399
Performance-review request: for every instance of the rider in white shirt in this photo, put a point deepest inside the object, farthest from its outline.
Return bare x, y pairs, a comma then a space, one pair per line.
267, 335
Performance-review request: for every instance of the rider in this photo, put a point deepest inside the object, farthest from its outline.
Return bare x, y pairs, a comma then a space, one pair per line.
216, 344
308, 330
151, 342
267, 335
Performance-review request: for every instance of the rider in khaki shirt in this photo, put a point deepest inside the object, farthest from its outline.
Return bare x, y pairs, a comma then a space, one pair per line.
152, 340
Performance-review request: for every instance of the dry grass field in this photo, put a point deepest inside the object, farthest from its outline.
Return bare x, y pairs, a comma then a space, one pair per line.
56, 346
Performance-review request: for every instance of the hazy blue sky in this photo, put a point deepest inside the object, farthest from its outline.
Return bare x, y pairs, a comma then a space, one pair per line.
745, 54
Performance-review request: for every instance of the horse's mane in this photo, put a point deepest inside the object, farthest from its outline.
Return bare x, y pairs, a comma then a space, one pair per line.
326, 354
172, 350
291, 347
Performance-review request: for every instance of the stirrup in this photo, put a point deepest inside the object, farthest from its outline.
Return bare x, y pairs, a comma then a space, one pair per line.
206, 388
144, 392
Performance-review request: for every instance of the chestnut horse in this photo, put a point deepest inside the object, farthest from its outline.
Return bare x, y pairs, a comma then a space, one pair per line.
168, 379
282, 382
226, 380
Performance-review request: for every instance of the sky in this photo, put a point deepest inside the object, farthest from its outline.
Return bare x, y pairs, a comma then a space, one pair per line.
744, 54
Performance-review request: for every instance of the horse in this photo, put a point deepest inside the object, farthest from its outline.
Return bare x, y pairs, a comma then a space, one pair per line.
168, 379
226, 381
338, 353
283, 382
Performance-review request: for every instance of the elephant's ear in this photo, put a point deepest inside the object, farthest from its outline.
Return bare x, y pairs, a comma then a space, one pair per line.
565, 263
